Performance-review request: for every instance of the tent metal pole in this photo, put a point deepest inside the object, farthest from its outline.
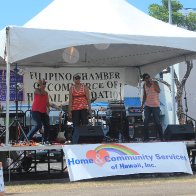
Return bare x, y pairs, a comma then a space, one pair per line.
7, 85
172, 72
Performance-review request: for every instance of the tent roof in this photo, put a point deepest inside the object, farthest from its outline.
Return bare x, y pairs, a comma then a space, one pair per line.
103, 16
133, 39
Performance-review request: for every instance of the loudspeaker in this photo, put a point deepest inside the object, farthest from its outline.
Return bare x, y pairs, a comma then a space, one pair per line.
87, 134
138, 131
53, 132
13, 133
179, 132
116, 126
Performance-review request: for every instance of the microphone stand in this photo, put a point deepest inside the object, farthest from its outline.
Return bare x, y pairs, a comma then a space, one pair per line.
186, 111
121, 120
186, 105
16, 119
29, 109
28, 96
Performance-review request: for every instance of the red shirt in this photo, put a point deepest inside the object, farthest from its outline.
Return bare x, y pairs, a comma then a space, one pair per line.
79, 100
40, 103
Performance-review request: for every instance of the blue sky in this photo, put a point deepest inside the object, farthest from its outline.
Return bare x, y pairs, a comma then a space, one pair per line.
18, 12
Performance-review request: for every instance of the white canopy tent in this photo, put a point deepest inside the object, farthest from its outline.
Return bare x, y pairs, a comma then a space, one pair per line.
134, 40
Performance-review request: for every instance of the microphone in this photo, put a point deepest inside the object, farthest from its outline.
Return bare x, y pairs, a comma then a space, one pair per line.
93, 99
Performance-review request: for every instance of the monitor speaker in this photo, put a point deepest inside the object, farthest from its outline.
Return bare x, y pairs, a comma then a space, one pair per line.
179, 132
87, 134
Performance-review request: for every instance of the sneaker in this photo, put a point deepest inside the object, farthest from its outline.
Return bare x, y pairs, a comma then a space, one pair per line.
67, 142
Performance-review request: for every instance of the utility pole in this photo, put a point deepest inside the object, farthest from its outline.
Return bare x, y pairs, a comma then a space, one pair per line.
170, 11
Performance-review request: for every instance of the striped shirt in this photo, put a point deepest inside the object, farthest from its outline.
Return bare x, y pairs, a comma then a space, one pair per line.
79, 99
152, 97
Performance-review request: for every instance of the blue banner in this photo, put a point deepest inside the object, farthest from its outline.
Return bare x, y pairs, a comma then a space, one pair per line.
13, 82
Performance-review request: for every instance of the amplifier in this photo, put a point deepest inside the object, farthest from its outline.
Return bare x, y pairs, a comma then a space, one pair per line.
116, 113
134, 111
116, 102
116, 110
135, 119
139, 131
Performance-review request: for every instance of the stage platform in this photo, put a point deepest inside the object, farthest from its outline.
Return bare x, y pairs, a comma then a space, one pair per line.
189, 144
28, 148
32, 160
50, 166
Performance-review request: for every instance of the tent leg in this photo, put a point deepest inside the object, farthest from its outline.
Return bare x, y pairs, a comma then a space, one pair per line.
8, 85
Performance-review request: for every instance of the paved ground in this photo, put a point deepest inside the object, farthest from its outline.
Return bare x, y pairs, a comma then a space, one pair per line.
165, 184
57, 183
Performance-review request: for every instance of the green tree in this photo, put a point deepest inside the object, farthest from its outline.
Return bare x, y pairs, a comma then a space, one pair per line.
161, 12
190, 21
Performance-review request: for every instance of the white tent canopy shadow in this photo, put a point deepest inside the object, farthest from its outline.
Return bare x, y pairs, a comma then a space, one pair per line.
135, 41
